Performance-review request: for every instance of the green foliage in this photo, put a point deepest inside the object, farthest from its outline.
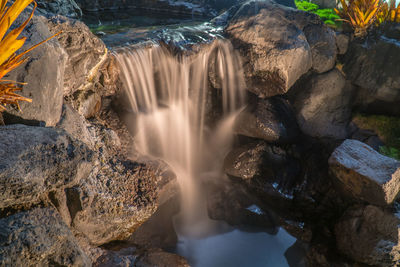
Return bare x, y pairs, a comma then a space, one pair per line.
327, 15
386, 127
390, 152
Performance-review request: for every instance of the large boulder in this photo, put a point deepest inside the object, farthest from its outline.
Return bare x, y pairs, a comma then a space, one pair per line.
37, 160
369, 235
374, 69
279, 45
322, 105
38, 238
269, 119
86, 52
44, 75
116, 199
365, 174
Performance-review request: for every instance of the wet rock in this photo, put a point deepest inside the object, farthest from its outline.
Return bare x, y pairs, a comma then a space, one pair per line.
86, 52
123, 258
373, 67
323, 47
160, 258
261, 165
88, 103
322, 105
61, 7
38, 238
366, 174
274, 48
342, 43
44, 75
115, 199
269, 119
36, 160
369, 235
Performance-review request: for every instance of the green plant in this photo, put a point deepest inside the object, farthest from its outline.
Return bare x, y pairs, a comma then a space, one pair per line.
390, 152
326, 14
10, 43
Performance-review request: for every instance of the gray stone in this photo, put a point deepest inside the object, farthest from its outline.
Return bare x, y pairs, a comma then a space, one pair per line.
322, 42
88, 103
323, 105
366, 174
325, 3
43, 73
61, 7
116, 199
38, 238
369, 235
86, 52
342, 42
37, 160
373, 67
269, 119
274, 47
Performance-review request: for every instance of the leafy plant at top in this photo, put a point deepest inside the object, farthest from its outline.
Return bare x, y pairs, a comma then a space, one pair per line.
388, 12
360, 14
326, 14
9, 45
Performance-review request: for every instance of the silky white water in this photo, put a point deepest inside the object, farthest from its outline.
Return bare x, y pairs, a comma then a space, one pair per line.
171, 96
172, 99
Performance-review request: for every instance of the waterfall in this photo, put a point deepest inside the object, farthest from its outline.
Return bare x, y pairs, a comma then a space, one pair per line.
172, 98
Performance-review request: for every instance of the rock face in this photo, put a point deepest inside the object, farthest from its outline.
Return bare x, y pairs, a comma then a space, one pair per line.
366, 174
44, 75
66, 8
38, 238
322, 105
374, 69
86, 52
103, 210
269, 119
278, 45
36, 160
369, 235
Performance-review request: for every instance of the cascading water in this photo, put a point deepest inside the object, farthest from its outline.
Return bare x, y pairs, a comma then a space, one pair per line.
172, 99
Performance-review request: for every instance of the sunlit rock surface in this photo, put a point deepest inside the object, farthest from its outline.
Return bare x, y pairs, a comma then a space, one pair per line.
44, 74
38, 237
366, 174
37, 160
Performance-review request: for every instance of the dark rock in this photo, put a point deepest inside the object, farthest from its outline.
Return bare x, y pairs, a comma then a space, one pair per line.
368, 137
123, 258
269, 119
60, 7
322, 42
373, 67
36, 160
43, 73
322, 105
38, 238
86, 52
369, 235
325, 3
366, 174
160, 258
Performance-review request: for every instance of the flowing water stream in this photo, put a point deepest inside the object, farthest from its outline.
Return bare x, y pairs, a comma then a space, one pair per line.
171, 97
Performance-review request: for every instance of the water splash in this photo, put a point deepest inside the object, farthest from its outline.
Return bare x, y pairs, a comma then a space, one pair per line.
171, 97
